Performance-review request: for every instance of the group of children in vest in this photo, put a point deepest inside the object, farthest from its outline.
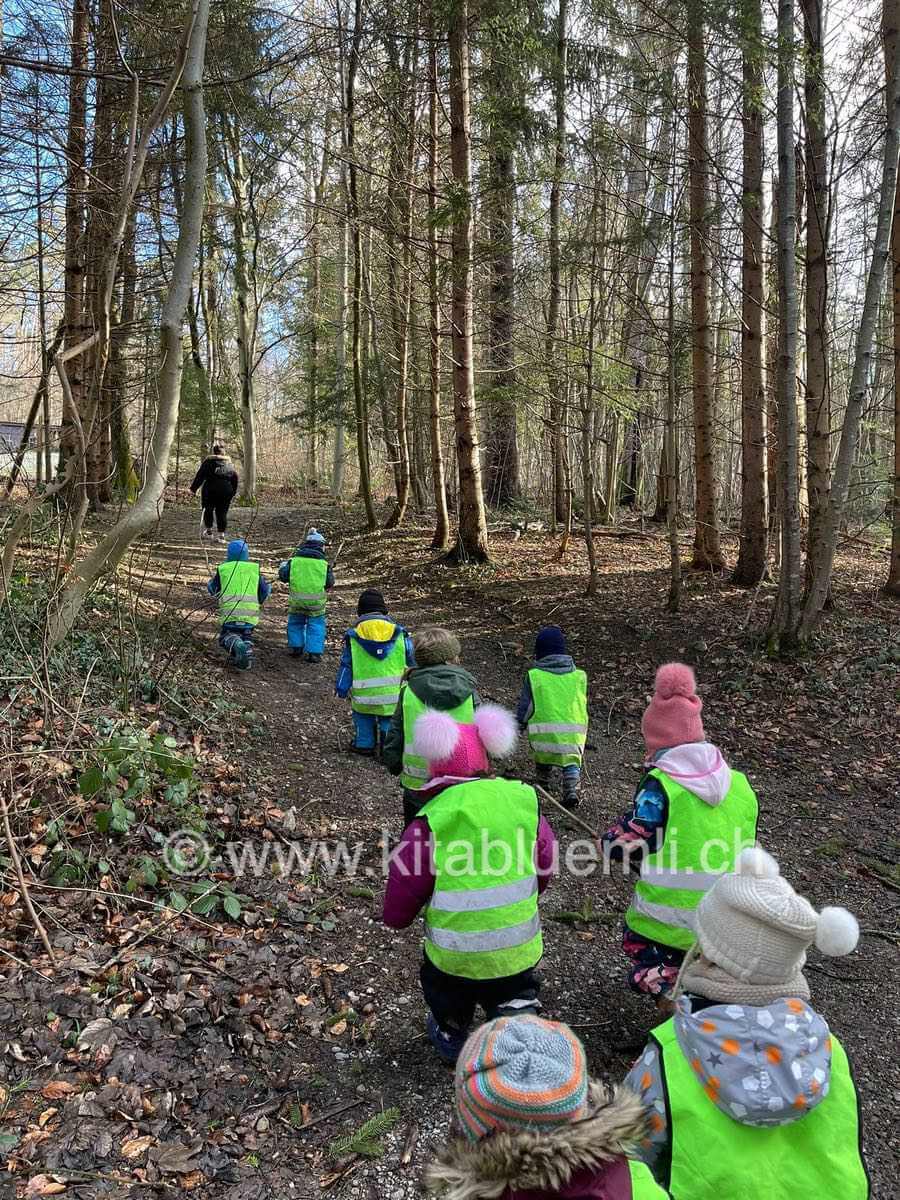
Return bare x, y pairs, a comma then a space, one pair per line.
241, 591
742, 1091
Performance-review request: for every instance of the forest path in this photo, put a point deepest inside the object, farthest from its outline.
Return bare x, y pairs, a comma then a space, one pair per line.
375, 1055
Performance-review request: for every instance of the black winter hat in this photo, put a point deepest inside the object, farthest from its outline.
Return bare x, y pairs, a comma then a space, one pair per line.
550, 640
370, 601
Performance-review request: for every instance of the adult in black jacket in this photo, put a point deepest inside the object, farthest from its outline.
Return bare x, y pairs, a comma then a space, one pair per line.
218, 483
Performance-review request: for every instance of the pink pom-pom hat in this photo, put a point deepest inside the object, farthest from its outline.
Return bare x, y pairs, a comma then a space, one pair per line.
461, 751
673, 715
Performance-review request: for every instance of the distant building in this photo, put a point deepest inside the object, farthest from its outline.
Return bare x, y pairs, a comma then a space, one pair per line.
11, 436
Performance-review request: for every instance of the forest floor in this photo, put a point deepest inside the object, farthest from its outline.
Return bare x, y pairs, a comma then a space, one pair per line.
226, 1055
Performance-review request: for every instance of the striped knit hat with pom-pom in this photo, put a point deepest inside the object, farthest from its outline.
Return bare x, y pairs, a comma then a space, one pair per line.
520, 1073
672, 717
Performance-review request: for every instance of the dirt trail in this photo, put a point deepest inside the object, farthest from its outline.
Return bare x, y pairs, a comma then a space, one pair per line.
376, 1056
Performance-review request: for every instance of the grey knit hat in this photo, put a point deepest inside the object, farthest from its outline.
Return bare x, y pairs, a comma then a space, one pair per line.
753, 930
435, 646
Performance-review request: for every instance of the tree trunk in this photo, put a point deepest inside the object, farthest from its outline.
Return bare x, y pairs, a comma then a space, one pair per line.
818, 385
891, 33
670, 437
402, 292
823, 565
555, 376
751, 564
441, 539
244, 302
71, 437
150, 501
472, 536
359, 396
314, 290
787, 610
502, 465
707, 551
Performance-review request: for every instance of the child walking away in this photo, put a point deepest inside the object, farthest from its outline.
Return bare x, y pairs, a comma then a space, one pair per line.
475, 859
553, 708
375, 656
691, 817
309, 576
748, 1091
218, 483
242, 591
534, 1126
437, 681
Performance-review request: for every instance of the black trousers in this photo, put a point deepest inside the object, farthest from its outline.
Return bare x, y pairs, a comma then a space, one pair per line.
216, 507
453, 999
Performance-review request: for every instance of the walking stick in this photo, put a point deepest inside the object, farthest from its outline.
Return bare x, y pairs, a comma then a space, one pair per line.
562, 808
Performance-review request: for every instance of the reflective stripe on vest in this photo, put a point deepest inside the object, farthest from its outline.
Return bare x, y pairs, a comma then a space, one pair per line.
698, 837
482, 920
239, 594
643, 1185
415, 773
715, 1156
558, 727
307, 586
375, 689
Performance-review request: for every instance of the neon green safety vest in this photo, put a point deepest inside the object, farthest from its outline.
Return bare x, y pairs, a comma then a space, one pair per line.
415, 774
714, 1156
557, 730
482, 919
307, 584
643, 1185
700, 842
239, 595
375, 689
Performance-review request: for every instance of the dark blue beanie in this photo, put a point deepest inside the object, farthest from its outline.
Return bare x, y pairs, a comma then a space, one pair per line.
550, 640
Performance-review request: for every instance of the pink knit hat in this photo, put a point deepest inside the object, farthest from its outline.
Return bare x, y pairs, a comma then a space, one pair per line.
461, 751
673, 715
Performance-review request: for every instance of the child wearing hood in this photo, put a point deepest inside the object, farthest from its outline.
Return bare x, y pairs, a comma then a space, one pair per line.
553, 708
375, 656
532, 1125
242, 591
691, 817
475, 859
437, 681
748, 1091
309, 576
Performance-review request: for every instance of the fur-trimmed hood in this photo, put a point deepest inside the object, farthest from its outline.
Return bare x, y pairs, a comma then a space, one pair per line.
581, 1159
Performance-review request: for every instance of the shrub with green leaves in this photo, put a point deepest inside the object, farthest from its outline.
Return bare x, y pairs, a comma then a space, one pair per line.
132, 767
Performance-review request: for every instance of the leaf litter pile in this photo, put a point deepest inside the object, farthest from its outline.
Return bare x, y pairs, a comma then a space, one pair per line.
258, 1033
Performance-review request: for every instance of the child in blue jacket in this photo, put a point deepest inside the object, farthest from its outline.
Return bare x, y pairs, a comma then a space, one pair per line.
242, 591
309, 576
375, 656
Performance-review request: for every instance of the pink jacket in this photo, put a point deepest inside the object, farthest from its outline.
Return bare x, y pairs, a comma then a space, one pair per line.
411, 875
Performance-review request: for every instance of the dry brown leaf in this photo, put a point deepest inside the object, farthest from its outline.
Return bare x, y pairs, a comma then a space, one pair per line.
46, 1115
135, 1147
338, 1028
43, 1185
57, 1089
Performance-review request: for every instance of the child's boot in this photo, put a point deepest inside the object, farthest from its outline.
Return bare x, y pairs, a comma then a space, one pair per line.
447, 1043
542, 774
313, 658
571, 792
243, 655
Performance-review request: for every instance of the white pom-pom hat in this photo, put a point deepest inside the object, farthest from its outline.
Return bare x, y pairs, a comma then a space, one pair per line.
756, 930
461, 751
